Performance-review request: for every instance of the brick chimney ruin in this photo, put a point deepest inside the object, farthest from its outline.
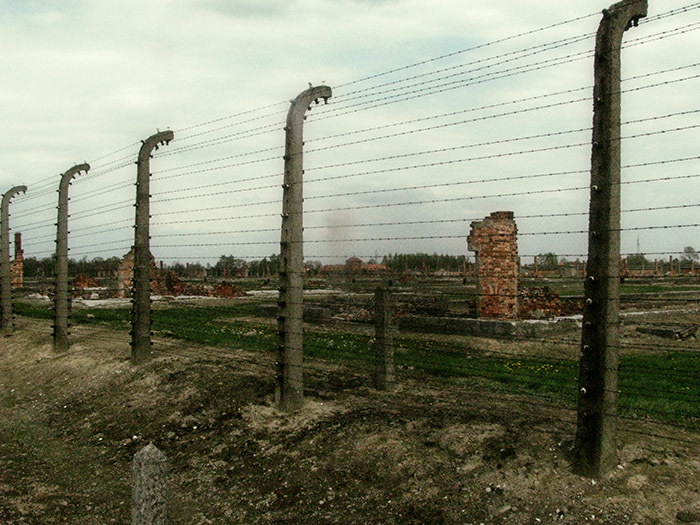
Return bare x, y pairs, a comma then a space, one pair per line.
495, 241
17, 265
125, 275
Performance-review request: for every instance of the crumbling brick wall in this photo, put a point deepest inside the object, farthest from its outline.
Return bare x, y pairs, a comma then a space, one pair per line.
125, 276
81, 282
539, 303
17, 265
495, 241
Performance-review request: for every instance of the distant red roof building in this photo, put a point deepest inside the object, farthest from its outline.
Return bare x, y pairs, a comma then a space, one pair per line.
353, 266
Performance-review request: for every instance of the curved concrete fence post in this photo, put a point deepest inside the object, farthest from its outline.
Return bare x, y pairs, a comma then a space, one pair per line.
598, 381
289, 392
141, 308
62, 298
5, 270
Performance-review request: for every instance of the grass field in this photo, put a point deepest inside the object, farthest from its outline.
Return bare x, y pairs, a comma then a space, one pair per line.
654, 384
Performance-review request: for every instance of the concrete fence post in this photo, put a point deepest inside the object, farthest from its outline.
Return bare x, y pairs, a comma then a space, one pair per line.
289, 389
383, 340
141, 308
5, 265
595, 445
62, 298
149, 498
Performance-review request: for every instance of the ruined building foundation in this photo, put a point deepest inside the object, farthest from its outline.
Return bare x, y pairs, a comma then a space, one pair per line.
495, 241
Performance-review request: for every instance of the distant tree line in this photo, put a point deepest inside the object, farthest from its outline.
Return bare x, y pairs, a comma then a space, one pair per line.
35, 268
232, 266
227, 265
422, 261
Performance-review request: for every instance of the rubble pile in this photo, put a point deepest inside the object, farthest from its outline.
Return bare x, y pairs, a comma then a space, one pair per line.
81, 282
539, 302
226, 289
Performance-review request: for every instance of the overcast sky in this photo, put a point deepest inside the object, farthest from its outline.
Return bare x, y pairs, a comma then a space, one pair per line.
82, 79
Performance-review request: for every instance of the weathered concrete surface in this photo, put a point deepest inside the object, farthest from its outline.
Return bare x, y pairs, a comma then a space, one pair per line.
150, 487
5, 273
62, 298
141, 309
289, 389
484, 327
596, 441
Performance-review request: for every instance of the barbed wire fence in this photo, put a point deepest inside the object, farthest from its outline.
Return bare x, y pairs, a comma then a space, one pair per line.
377, 185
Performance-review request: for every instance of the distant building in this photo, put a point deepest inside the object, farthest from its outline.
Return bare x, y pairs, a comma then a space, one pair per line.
353, 266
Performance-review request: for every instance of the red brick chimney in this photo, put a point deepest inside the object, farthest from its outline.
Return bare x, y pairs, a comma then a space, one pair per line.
495, 241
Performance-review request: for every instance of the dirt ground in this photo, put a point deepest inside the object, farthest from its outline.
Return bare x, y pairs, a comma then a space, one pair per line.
426, 453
